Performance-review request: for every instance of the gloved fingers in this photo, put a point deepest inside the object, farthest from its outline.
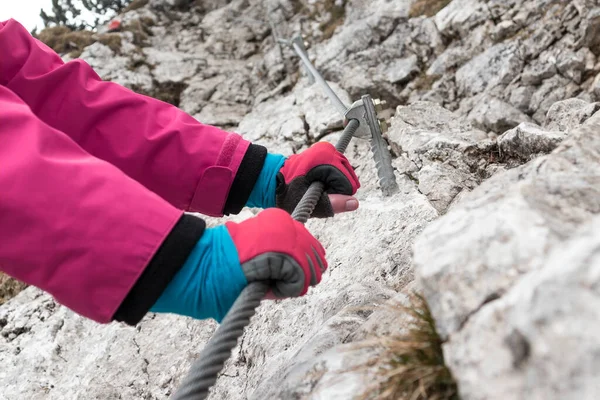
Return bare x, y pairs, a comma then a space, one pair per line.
350, 170
289, 275
289, 196
313, 273
336, 159
322, 162
335, 180
321, 261
274, 247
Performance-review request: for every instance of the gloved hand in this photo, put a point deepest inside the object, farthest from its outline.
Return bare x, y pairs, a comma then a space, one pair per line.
268, 247
283, 181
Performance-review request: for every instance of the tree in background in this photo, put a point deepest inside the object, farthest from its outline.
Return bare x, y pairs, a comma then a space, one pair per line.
103, 6
65, 12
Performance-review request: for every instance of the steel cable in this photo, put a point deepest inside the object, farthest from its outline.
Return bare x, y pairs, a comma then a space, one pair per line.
204, 373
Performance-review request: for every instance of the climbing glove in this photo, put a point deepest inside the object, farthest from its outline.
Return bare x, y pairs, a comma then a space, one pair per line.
274, 247
283, 181
268, 247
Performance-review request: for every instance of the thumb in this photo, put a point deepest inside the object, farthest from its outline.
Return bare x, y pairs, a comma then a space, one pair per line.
341, 203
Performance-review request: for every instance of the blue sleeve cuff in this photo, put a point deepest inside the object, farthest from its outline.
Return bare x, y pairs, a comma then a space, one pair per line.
263, 193
209, 282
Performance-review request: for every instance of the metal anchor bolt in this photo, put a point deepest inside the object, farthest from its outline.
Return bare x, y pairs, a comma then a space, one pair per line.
379, 104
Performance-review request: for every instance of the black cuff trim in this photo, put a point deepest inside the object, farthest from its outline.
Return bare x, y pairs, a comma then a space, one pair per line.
246, 177
167, 261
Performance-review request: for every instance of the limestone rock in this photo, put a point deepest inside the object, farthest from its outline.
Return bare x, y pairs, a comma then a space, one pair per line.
403, 69
307, 112
118, 68
544, 329
596, 86
568, 114
499, 247
498, 65
506, 227
435, 140
537, 72
591, 30
453, 57
552, 90
173, 66
571, 65
460, 16
493, 114
527, 141
521, 96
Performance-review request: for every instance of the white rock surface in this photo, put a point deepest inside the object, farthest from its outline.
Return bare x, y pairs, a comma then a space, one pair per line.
506, 228
568, 114
542, 336
498, 203
527, 141
495, 115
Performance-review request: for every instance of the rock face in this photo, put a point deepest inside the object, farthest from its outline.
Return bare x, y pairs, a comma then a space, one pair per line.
495, 137
510, 275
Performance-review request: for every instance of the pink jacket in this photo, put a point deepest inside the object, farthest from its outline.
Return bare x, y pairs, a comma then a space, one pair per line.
93, 176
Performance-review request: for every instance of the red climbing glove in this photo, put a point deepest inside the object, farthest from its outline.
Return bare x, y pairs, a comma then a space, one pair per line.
274, 247
321, 162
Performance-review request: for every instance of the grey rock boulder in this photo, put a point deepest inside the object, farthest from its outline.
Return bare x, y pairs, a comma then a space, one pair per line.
493, 114
403, 69
520, 97
552, 90
527, 141
498, 65
506, 227
435, 141
568, 114
541, 339
453, 57
460, 16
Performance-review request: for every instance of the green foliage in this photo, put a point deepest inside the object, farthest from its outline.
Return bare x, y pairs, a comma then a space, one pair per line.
103, 6
63, 13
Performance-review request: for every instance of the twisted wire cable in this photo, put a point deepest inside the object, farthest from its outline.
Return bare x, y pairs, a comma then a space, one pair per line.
204, 373
305, 207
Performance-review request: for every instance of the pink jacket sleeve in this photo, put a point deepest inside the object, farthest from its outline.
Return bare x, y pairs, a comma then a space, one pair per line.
189, 164
72, 224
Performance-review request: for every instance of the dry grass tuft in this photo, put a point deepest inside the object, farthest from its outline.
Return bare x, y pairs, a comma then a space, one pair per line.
112, 40
141, 31
9, 287
135, 4
409, 365
337, 16
169, 92
62, 40
424, 82
427, 8
329, 12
